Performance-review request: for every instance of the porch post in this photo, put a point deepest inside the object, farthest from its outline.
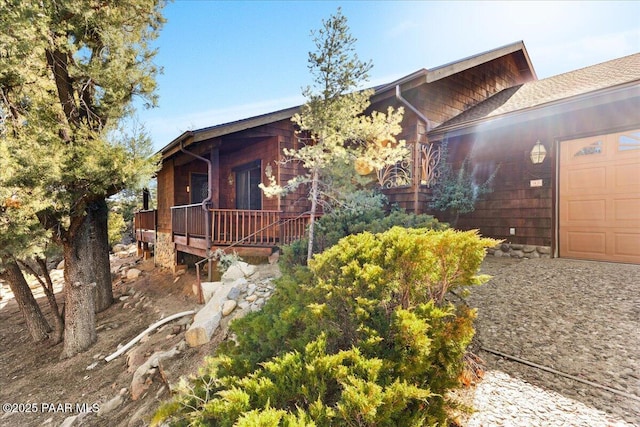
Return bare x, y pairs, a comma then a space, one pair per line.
416, 175
145, 199
214, 188
145, 207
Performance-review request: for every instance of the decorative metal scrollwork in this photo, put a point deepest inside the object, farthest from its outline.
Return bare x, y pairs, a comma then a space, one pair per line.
429, 160
398, 175
593, 148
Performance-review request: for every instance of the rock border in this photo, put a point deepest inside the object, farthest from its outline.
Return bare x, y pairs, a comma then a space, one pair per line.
517, 250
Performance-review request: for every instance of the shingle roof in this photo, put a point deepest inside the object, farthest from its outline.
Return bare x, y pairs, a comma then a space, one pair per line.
563, 86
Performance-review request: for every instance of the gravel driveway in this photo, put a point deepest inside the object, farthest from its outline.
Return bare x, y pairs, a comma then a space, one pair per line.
578, 317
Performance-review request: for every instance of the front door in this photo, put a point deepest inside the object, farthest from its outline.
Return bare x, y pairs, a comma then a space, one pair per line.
248, 194
199, 187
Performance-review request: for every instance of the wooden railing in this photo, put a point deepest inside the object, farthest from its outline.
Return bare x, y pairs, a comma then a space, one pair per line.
145, 220
144, 225
293, 227
253, 227
188, 220
239, 227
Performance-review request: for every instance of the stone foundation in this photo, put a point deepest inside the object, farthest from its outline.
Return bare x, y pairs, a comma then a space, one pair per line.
164, 250
515, 250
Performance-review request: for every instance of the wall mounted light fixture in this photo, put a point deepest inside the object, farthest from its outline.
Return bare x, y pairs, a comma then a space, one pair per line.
230, 178
538, 153
187, 188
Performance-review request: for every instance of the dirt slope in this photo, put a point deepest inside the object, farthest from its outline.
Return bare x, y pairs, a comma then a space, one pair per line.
41, 389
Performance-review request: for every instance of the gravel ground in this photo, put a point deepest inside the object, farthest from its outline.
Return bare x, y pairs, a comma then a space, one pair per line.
578, 317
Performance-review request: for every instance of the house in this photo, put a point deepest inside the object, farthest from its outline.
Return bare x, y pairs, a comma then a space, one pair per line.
490, 107
568, 147
208, 195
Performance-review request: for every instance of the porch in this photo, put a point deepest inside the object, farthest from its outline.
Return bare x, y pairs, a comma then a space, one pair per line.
255, 231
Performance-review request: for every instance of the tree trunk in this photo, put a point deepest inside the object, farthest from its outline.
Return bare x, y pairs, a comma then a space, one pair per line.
51, 297
80, 320
97, 214
312, 217
456, 217
47, 286
36, 323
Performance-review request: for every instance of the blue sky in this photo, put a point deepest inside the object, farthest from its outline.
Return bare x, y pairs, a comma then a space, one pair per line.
228, 60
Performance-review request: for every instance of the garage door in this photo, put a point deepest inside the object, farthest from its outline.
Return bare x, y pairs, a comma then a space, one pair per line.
599, 211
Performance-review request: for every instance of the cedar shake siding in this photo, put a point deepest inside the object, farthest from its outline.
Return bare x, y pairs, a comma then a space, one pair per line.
514, 203
440, 97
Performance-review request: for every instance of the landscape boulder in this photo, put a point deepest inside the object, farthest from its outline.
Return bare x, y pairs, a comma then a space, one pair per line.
139, 384
110, 405
206, 321
208, 289
133, 273
228, 307
238, 270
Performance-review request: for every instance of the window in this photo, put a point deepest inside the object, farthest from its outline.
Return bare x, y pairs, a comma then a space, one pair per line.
630, 141
248, 194
199, 187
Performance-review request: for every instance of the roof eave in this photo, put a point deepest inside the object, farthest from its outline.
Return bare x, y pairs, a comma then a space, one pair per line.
607, 95
407, 82
424, 75
190, 137
455, 67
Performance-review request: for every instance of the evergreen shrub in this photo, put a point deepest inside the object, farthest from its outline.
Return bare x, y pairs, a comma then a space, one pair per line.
364, 336
364, 211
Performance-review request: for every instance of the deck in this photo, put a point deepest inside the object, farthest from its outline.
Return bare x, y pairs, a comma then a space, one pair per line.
241, 229
144, 225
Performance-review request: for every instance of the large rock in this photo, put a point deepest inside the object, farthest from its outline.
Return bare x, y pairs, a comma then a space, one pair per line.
517, 254
203, 328
208, 289
139, 383
135, 358
206, 320
238, 270
133, 273
228, 307
110, 405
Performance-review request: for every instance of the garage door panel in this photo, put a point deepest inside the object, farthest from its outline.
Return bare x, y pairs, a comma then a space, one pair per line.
586, 181
626, 176
587, 242
600, 244
599, 197
627, 244
627, 210
587, 210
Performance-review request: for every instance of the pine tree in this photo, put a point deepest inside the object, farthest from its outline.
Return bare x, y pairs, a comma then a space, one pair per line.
70, 70
457, 191
20, 236
333, 131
